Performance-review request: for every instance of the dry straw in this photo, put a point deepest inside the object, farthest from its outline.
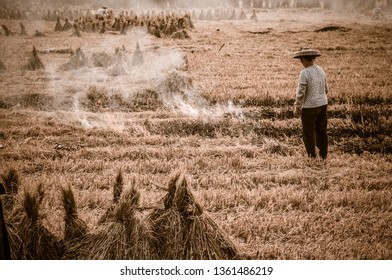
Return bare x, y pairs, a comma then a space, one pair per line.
10, 182
35, 62
75, 228
183, 231
127, 236
117, 191
35, 241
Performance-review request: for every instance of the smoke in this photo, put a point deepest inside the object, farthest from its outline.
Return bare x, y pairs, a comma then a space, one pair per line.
91, 92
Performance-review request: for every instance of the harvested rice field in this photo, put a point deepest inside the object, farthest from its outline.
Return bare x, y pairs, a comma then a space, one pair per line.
123, 145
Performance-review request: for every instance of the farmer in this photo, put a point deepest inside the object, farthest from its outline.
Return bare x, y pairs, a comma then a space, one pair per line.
311, 103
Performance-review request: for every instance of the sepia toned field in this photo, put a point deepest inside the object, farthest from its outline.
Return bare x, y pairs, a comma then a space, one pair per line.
226, 122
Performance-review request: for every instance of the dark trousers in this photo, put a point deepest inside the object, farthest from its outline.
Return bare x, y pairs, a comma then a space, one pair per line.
314, 130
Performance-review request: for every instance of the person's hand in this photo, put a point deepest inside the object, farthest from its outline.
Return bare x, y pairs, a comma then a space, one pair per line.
297, 111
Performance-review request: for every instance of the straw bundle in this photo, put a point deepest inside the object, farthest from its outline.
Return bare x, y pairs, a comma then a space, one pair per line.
168, 225
117, 191
58, 26
175, 82
75, 228
35, 62
183, 231
22, 29
67, 25
126, 237
118, 67
137, 56
10, 182
102, 59
77, 61
180, 34
205, 240
36, 242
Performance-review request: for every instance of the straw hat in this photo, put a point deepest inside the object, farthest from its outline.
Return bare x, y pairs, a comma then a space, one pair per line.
306, 52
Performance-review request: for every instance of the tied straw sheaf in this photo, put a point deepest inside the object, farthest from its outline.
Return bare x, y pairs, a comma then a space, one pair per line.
176, 227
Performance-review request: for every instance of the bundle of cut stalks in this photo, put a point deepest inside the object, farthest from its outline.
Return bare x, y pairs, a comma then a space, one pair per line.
180, 34
22, 29
35, 62
127, 236
242, 15
13, 211
117, 191
10, 183
168, 225
175, 82
75, 228
137, 56
35, 241
183, 231
39, 34
102, 59
253, 16
67, 26
58, 26
76, 31
6, 30
77, 61
118, 67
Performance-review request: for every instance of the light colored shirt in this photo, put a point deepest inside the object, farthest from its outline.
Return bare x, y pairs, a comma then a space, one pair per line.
312, 88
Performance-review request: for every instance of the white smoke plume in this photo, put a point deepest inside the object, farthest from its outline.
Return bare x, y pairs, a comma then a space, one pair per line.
162, 72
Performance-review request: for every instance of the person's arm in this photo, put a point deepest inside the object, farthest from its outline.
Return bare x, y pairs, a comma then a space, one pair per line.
326, 86
300, 94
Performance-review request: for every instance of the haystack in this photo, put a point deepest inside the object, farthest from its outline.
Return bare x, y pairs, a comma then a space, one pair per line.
75, 228
126, 237
118, 67
10, 183
58, 26
67, 26
39, 34
175, 82
188, 22
77, 61
209, 15
22, 29
35, 62
103, 29
102, 59
117, 191
202, 16
167, 225
184, 231
242, 15
137, 56
6, 30
36, 242
76, 31
180, 34
253, 16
